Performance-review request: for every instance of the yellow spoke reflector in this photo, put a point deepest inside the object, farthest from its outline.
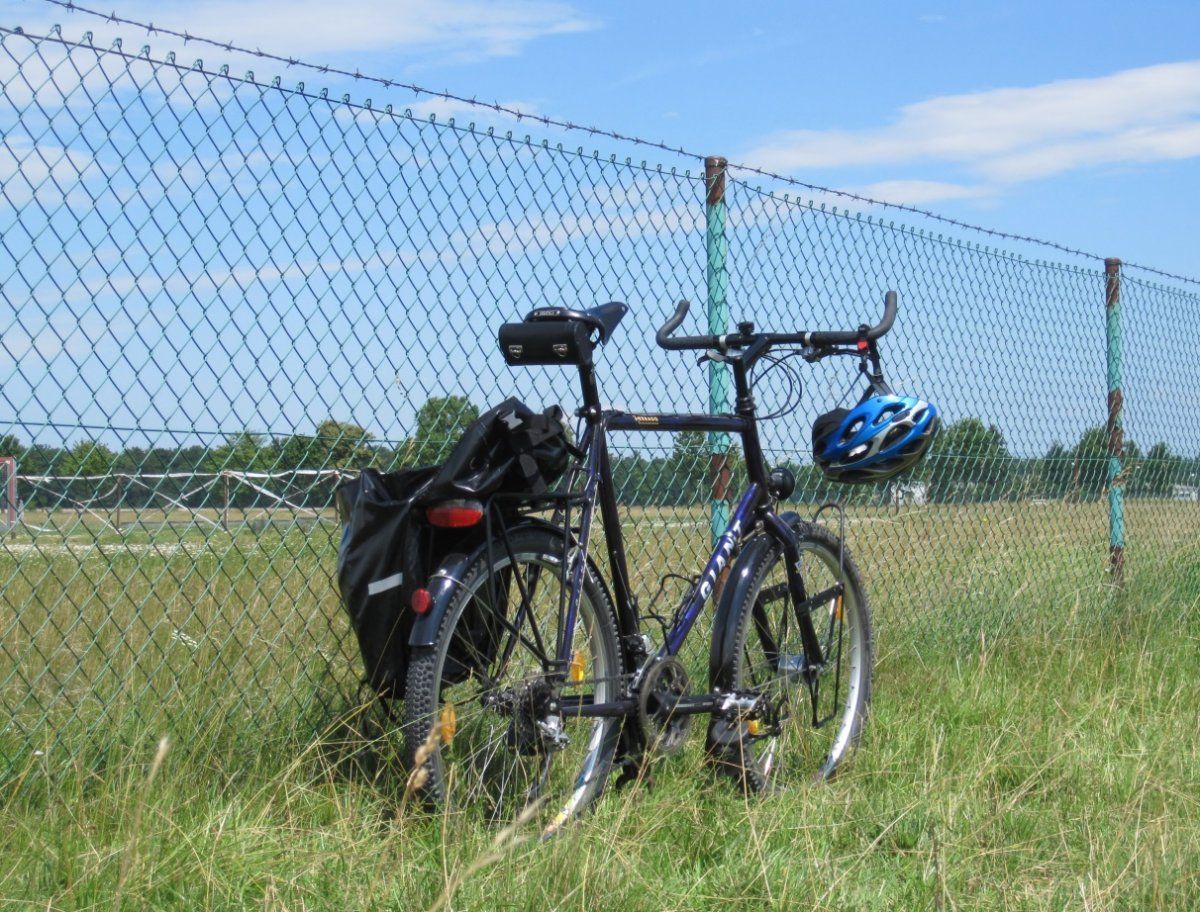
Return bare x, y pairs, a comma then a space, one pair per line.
754, 727
578, 667
837, 610
447, 724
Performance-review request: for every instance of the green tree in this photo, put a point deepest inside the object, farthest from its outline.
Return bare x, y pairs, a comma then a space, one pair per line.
1158, 473
1090, 457
296, 451
440, 422
685, 475
244, 451
629, 476
41, 459
93, 459
969, 461
10, 445
1055, 472
342, 445
88, 457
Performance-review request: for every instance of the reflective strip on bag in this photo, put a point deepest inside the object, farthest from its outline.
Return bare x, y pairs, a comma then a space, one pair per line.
383, 585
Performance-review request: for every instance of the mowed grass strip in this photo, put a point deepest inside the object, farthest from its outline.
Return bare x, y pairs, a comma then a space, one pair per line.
1045, 759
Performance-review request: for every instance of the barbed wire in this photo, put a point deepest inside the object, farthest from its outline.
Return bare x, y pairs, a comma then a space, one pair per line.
560, 123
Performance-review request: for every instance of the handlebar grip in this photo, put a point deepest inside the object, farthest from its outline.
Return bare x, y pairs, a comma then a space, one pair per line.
822, 338
665, 340
662, 337
841, 337
889, 317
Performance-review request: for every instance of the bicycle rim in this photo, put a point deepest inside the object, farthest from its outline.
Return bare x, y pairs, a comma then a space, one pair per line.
812, 723
503, 758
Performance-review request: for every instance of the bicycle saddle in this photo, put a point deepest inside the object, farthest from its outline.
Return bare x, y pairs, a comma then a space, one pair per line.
603, 317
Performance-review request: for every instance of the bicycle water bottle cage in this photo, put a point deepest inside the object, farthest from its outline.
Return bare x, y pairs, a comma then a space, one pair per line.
558, 335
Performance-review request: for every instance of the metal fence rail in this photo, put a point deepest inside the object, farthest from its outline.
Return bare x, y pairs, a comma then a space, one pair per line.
217, 293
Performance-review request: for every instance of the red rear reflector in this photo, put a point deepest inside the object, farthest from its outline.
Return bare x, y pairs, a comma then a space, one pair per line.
455, 514
863, 345
421, 600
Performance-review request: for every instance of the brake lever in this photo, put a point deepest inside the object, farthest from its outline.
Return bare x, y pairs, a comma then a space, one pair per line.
812, 353
713, 355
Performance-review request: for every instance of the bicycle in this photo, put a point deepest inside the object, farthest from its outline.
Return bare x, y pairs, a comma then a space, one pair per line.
530, 670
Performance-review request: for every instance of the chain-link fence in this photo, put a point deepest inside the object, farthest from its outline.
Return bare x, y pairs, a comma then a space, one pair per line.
219, 295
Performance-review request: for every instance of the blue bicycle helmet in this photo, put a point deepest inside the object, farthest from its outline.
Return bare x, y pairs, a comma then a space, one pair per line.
882, 436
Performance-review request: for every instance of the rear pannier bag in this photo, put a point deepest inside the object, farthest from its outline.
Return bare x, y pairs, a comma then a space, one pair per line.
388, 549
379, 565
509, 449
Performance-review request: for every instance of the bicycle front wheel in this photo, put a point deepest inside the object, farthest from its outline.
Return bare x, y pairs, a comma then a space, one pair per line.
495, 726
811, 720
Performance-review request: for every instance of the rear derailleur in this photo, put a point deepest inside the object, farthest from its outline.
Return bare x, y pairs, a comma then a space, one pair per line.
535, 717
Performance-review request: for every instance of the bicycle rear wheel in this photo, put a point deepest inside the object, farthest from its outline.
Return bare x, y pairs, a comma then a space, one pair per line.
487, 715
812, 722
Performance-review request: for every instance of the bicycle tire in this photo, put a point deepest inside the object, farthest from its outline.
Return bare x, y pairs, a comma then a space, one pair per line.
765, 763
437, 675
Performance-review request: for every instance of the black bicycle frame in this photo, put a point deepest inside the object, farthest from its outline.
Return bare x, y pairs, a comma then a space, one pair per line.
755, 507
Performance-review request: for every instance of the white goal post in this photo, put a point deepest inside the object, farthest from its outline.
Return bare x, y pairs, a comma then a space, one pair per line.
205, 498
8, 493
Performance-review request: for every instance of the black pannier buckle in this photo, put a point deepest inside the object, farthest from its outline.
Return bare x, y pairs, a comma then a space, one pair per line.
549, 342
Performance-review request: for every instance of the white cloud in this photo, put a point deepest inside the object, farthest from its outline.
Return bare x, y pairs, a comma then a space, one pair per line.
1143, 144
473, 28
916, 192
450, 30
1014, 134
47, 171
542, 230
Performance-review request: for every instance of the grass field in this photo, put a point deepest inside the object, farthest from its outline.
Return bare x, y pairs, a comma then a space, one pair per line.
1033, 744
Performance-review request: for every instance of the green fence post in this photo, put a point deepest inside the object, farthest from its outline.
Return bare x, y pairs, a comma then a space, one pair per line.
717, 248
1116, 424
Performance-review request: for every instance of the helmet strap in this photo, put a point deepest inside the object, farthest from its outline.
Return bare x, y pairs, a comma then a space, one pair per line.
871, 367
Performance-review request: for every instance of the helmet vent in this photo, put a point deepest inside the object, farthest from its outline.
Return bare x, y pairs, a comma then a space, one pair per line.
886, 414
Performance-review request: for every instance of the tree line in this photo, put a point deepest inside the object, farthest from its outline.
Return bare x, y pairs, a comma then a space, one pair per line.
969, 462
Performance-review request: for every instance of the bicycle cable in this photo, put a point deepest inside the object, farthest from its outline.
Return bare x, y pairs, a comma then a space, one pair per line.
795, 391
667, 625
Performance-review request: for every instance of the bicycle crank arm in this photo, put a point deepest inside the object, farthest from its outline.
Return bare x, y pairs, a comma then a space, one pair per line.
585, 708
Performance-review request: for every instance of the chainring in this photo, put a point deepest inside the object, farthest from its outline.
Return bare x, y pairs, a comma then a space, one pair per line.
664, 683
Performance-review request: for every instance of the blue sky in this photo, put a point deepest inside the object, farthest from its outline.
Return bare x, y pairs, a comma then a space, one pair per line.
1075, 121
187, 257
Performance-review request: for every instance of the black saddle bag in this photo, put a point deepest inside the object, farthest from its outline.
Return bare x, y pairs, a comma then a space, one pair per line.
550, 342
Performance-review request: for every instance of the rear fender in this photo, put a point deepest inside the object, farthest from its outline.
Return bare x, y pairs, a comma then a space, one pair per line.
441, 586
445, 580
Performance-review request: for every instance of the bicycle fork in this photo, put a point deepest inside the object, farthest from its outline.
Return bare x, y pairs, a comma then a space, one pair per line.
802, 605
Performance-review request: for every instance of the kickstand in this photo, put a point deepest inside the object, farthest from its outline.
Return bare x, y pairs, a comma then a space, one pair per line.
632, 760
634, 773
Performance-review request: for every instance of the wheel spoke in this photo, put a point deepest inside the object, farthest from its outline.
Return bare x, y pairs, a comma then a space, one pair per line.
774, 667
532, 575
522, 742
